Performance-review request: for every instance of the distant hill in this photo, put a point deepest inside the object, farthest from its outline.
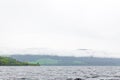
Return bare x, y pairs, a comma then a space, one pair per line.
67, 60
51, 57
7, 61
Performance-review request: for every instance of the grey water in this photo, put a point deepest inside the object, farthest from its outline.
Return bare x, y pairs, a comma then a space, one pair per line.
59, 72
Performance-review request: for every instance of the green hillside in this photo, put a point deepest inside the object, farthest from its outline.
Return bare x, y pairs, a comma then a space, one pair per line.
6, 61
46, 61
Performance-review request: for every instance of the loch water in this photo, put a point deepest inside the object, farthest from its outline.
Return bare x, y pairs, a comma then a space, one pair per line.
59, 72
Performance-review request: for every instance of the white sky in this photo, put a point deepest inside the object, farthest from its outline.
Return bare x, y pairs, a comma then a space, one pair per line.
60, 24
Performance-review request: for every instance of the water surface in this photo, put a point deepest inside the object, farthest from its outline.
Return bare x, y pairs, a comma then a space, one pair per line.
59, 72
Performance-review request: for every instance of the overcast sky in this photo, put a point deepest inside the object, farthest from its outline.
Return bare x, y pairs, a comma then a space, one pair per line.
60, 24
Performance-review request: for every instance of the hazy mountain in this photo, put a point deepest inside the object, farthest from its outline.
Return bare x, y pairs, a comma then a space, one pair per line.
46, 56
68, 60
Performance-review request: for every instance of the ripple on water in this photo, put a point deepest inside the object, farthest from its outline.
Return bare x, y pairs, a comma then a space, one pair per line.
60, 73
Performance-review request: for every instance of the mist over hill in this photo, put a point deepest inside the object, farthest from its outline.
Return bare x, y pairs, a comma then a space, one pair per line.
56, 52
